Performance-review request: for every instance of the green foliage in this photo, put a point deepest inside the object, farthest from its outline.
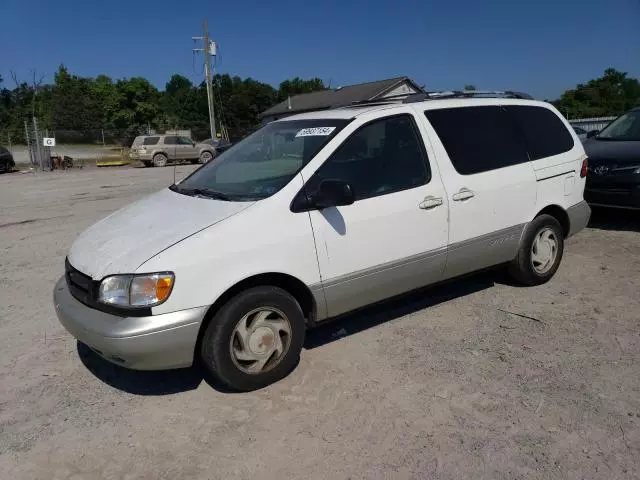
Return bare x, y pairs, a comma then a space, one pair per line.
81, 109
297, 85
611, 94
470, 87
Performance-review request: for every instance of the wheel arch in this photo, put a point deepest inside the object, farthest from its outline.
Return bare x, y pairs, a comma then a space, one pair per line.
559, 214
292, 285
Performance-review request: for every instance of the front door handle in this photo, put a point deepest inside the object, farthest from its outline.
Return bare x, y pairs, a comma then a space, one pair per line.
463, 194
430, 202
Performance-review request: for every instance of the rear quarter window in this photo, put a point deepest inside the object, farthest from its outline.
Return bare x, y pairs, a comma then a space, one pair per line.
544, 133
478, 139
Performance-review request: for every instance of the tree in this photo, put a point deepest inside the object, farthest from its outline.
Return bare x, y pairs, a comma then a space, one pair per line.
611, 94
297, 85
75, 109
108, 98
470, 87
138, 105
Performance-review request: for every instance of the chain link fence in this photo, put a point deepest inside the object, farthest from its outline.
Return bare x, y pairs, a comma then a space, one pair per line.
27, 146
76, 147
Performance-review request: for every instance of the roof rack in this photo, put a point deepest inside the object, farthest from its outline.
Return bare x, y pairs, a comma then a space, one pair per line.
421, 97
391, 99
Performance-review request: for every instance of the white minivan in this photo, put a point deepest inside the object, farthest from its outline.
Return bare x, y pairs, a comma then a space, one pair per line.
319, 214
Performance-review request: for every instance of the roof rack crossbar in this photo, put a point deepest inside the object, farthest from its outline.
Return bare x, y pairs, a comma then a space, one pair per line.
381, 101
421, 97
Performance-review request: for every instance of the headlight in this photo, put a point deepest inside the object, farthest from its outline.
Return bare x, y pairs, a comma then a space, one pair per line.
136, 290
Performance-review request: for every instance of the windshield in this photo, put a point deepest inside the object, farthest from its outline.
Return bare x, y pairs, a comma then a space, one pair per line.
624, 128
263, 163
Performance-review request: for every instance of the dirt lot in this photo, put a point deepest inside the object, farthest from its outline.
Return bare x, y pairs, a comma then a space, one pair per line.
441, 384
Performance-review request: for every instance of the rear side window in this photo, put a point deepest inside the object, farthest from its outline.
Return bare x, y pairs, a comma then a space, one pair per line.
544, 133
170, 140
150, 141
478, 139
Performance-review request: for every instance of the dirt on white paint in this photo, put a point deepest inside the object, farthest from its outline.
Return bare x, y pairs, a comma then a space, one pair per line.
473, 379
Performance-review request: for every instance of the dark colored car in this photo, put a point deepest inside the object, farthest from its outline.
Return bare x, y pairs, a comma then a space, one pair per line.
6, 160
613, 178
220, 144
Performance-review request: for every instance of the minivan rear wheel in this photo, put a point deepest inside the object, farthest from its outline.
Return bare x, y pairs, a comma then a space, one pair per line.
540, 252
255, 339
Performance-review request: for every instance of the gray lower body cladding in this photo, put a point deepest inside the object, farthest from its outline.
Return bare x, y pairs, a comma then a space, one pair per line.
356, 290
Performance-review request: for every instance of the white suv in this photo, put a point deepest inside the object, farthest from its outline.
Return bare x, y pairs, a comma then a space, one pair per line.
319, 214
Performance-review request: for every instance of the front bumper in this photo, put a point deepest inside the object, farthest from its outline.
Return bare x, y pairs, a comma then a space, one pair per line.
155, 342
619, 196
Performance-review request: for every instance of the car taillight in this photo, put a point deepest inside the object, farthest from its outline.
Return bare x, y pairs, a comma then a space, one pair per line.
583, 170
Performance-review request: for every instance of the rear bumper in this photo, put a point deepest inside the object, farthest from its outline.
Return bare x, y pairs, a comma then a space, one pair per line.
579, 215
156, 342
618, 196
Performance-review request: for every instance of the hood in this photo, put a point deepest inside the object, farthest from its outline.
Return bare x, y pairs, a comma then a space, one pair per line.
612, 151
123, 241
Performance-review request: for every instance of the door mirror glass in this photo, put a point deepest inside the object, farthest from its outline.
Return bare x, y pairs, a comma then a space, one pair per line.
592, 133
333, 193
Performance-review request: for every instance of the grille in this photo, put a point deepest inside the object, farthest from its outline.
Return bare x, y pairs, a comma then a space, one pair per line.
80, 285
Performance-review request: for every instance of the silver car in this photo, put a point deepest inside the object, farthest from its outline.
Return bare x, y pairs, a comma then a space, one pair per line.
157, 150
581, 132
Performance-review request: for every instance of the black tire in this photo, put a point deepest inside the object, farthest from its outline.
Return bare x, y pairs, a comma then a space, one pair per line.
216, 346
523, 268
147, 164
160, 160
205, 157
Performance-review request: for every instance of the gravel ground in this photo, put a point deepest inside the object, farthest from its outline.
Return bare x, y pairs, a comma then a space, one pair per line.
442, 384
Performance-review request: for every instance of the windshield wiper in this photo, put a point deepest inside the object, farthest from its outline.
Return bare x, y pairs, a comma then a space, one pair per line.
202, 192
205, 192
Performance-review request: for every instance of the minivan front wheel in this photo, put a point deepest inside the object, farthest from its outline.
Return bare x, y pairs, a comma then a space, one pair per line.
540, 252
255, 339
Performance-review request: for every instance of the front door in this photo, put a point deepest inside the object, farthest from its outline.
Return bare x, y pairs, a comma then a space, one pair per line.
490, 183
393, 238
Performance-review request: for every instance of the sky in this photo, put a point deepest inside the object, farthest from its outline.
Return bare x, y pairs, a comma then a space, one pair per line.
541, 47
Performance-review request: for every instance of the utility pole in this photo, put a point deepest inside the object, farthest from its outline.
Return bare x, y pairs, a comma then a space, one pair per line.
208, 50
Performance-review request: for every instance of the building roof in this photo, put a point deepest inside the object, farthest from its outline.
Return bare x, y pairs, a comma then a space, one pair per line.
338, 97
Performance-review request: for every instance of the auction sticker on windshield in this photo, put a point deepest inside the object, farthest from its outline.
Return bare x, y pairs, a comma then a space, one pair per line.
315, 132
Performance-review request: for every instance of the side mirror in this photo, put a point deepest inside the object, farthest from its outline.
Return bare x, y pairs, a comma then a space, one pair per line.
592, 133
333, 193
